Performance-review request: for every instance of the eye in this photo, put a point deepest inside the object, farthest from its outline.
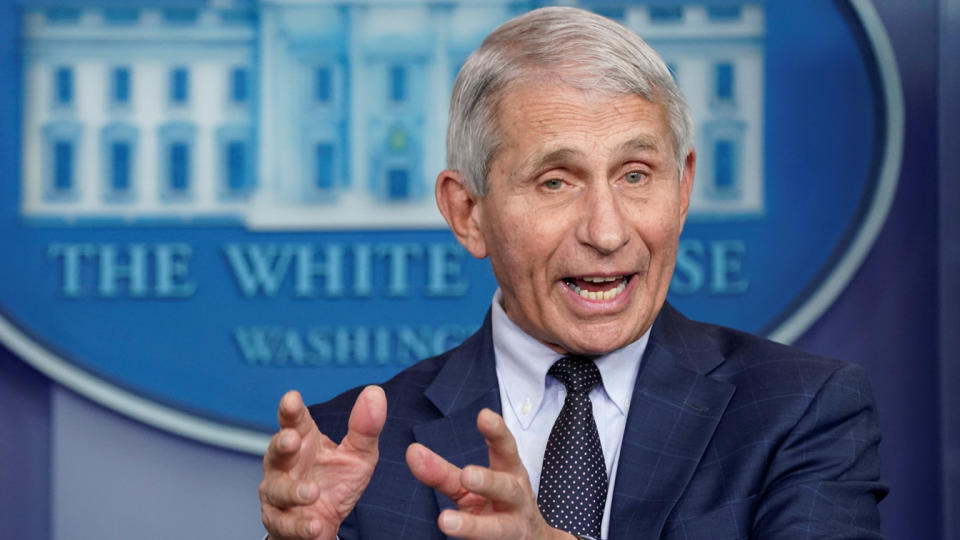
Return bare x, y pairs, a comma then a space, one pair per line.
553, 184
635, 177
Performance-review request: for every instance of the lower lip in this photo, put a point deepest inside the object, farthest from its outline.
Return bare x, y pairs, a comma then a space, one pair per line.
602, 306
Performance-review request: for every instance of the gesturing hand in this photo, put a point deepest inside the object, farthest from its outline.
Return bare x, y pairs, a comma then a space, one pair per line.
493, 503
309, 483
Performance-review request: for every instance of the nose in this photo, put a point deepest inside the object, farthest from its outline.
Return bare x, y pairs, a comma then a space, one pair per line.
603, 225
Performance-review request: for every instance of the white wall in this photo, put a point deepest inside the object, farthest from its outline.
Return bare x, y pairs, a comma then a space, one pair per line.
113, 478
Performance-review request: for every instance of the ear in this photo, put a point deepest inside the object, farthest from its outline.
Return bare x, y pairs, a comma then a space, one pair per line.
461, 208
686, 182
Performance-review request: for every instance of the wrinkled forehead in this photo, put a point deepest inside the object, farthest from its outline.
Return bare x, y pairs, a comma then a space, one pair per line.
518, 113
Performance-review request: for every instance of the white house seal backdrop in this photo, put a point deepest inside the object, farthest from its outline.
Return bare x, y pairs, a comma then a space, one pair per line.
212, 202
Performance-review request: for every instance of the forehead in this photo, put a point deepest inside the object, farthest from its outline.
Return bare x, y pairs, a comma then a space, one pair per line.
537, 118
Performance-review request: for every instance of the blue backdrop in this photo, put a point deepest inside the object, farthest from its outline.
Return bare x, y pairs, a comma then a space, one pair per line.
71, 469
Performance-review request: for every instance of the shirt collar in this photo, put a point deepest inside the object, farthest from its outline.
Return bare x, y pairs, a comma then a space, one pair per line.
522, 363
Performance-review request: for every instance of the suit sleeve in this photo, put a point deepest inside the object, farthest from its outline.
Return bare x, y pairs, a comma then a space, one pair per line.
824, 481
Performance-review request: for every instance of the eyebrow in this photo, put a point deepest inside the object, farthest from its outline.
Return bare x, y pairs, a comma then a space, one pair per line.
564, 155
643, 142
553, 158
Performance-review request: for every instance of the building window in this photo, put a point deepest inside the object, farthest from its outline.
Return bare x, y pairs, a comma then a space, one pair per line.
723, 13
724, 160
398, 183
62, 166
121, 159
666, 14
322, 85
63, 86
179, 86
398, 175
723, 83
237, 166
179, 158
121, 16
235, 157
724, 179
237, 17
62, 15
323, 179
120, 86
398, 84
176, 158
118, 149
239, 85
180, 15
61, 156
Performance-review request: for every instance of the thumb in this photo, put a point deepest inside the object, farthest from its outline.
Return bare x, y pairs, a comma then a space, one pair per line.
366, 422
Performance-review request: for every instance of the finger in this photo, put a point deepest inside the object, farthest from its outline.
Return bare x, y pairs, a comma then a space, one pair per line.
281, 491
495, 485
470, 526
434, 471
366, 421
500, 442
292, 413
287, 525
283, 451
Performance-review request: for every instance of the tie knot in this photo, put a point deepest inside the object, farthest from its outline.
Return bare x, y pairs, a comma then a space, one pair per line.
578, 374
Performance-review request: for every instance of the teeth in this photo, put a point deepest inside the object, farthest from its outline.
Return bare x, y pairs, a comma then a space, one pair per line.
599, 295
601, 279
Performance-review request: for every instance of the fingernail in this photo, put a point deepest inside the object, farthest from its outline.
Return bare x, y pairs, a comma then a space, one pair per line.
474, 478
304, 491
451, 521
420, 455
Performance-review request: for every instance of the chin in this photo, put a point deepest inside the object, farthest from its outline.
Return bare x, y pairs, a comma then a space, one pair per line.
599, 341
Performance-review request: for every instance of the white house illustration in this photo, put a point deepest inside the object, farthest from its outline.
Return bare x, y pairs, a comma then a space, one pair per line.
318, 114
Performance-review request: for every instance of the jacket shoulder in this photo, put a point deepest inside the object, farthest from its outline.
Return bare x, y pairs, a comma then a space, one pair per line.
748, 357
736, 353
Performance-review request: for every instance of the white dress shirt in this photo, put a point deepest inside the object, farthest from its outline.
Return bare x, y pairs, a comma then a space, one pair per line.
531, 401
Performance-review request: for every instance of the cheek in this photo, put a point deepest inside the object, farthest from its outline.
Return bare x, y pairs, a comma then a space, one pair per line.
665, 237
526, 259
517, 234
656, 231
660, 224
510, 253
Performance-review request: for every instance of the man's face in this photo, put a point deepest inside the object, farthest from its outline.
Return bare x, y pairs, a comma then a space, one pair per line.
582, 215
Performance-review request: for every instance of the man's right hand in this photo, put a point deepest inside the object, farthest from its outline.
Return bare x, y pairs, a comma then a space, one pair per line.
310, 484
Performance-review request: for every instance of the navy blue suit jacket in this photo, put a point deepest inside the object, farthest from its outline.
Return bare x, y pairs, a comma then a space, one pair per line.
728, 436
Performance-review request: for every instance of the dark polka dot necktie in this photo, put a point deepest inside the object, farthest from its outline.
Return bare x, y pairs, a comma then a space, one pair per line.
573, 481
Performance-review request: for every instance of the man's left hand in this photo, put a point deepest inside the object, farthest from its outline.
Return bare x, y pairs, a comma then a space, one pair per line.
493, 503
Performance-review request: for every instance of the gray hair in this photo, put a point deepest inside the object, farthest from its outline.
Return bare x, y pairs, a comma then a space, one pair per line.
582, 49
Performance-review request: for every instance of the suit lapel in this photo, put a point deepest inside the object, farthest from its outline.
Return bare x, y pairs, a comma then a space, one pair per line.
674, 411
465, 384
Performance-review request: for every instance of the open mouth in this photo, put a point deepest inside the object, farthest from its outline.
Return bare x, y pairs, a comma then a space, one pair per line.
598, 287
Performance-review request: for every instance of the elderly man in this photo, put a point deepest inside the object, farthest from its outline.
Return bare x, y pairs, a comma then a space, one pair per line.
585, 406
